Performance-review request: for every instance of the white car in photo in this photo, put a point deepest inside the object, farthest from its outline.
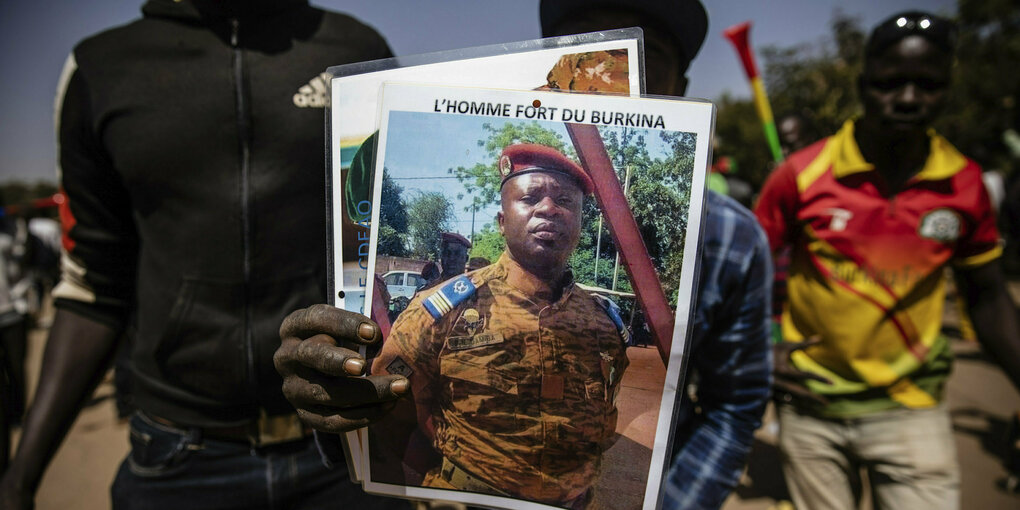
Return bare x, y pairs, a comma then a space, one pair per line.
403, 283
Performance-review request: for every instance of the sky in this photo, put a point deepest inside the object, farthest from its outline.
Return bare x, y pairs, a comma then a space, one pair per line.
36, 37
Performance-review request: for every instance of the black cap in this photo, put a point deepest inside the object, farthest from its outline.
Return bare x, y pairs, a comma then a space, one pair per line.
938, 30
685, 20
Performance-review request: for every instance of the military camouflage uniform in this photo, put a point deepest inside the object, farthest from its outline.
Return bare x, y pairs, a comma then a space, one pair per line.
521, 394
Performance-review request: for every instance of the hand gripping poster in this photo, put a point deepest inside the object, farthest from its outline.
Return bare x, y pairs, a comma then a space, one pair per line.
553, 242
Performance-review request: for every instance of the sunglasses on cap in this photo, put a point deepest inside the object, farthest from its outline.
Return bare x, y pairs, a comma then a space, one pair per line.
938, 30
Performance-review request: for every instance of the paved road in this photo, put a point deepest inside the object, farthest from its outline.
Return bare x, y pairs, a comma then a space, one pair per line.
979, 395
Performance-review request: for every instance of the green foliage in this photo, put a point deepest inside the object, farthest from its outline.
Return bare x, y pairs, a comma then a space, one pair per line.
430, 213
391, 242
392, 210
488, 243
627, 149
986, 85
670, 194
482, 179
658, 192
392, 218
582, 262
738, 134
819, 81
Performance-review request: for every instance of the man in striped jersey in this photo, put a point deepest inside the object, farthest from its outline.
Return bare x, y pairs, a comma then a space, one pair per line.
874, 214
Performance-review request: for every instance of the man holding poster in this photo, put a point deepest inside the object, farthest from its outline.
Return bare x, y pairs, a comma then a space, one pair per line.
514, 370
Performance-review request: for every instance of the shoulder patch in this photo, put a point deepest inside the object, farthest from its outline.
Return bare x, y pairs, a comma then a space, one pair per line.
447, 297
613, 311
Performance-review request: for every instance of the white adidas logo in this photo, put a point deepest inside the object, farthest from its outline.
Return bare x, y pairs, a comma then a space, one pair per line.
315, 94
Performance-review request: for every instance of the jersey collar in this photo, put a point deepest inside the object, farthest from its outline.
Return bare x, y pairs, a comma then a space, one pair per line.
943, 162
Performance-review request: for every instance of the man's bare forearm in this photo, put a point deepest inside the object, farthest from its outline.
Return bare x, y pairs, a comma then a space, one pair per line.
994, 316
77, 354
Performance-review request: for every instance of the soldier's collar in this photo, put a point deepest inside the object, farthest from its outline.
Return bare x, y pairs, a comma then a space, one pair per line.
529, 284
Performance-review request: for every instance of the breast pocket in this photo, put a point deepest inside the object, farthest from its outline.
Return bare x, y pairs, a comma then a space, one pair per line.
476, 387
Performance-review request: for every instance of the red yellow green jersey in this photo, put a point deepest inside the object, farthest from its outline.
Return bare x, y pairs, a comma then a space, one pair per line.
867, 273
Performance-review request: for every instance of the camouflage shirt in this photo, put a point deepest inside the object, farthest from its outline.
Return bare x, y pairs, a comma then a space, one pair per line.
521, 393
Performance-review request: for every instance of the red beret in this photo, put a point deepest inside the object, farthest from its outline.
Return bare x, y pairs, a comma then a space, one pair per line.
525, 158
453, 237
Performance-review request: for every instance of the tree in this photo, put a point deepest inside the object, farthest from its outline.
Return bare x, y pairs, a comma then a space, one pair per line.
393, 222
488, 243
820, 80
986, 86
626, 149
658, 193
430, 213
738, 134
483, 179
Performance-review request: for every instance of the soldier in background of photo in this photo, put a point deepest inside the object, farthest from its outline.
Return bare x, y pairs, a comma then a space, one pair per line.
514, 370
430, 272
453, 257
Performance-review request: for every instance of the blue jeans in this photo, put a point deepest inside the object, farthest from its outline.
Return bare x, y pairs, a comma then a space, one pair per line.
170, 468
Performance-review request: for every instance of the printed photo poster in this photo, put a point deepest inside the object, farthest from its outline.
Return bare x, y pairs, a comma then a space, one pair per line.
608, 62
557, 235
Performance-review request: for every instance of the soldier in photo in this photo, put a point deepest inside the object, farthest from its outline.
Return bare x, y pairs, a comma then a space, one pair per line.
514, 369
453, 257
453, 254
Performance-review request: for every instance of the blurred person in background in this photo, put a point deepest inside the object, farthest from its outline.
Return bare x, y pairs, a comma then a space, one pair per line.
796, 131
15, 262
873, 214
25, 258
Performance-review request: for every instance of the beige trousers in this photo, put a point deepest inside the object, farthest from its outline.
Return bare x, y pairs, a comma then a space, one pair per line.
908, 454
